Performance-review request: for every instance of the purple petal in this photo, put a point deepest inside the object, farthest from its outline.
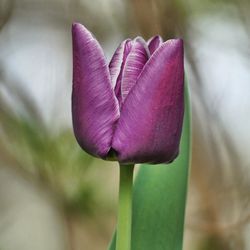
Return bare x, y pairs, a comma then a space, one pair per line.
150, 123
95, 109
118, 58
154, 43
116, 66
134, 64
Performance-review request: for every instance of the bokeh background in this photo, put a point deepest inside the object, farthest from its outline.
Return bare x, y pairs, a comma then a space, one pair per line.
53, 196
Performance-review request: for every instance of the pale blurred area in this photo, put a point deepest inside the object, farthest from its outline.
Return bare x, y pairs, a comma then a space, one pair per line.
55, 197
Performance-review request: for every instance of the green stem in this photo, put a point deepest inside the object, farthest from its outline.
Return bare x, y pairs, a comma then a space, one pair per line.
123, 236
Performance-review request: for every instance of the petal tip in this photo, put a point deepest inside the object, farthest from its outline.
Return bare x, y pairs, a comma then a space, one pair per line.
154, 43
177, 43
76, 26
80, 30
156, 37
174, 47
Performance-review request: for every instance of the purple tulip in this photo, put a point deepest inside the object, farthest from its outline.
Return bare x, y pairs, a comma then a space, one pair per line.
132, 108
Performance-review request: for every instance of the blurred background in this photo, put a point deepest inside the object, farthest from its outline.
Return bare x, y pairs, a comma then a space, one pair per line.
53, 196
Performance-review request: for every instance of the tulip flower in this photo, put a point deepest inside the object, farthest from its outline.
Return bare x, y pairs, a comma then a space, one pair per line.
131, 108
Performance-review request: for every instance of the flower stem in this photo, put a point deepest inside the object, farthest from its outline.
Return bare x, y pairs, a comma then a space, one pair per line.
123, 236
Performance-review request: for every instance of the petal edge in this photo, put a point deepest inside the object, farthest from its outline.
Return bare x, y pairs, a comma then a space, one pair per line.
150, 124
95, 109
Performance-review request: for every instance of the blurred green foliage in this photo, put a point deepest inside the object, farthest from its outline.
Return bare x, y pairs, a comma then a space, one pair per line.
54, 159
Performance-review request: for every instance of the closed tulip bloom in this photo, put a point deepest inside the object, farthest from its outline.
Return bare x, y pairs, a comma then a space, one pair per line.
131, 108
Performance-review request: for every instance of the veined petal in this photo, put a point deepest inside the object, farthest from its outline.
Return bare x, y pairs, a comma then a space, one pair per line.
134, 64
118, 58
150, 123
116, 66
154, 43
95, 109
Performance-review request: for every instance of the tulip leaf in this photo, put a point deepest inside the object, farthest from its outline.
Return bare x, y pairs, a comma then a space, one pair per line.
159, 199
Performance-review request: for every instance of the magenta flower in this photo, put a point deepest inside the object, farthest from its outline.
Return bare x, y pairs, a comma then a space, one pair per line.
132, 108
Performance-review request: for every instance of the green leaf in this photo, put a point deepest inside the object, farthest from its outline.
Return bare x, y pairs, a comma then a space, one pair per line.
159, 199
